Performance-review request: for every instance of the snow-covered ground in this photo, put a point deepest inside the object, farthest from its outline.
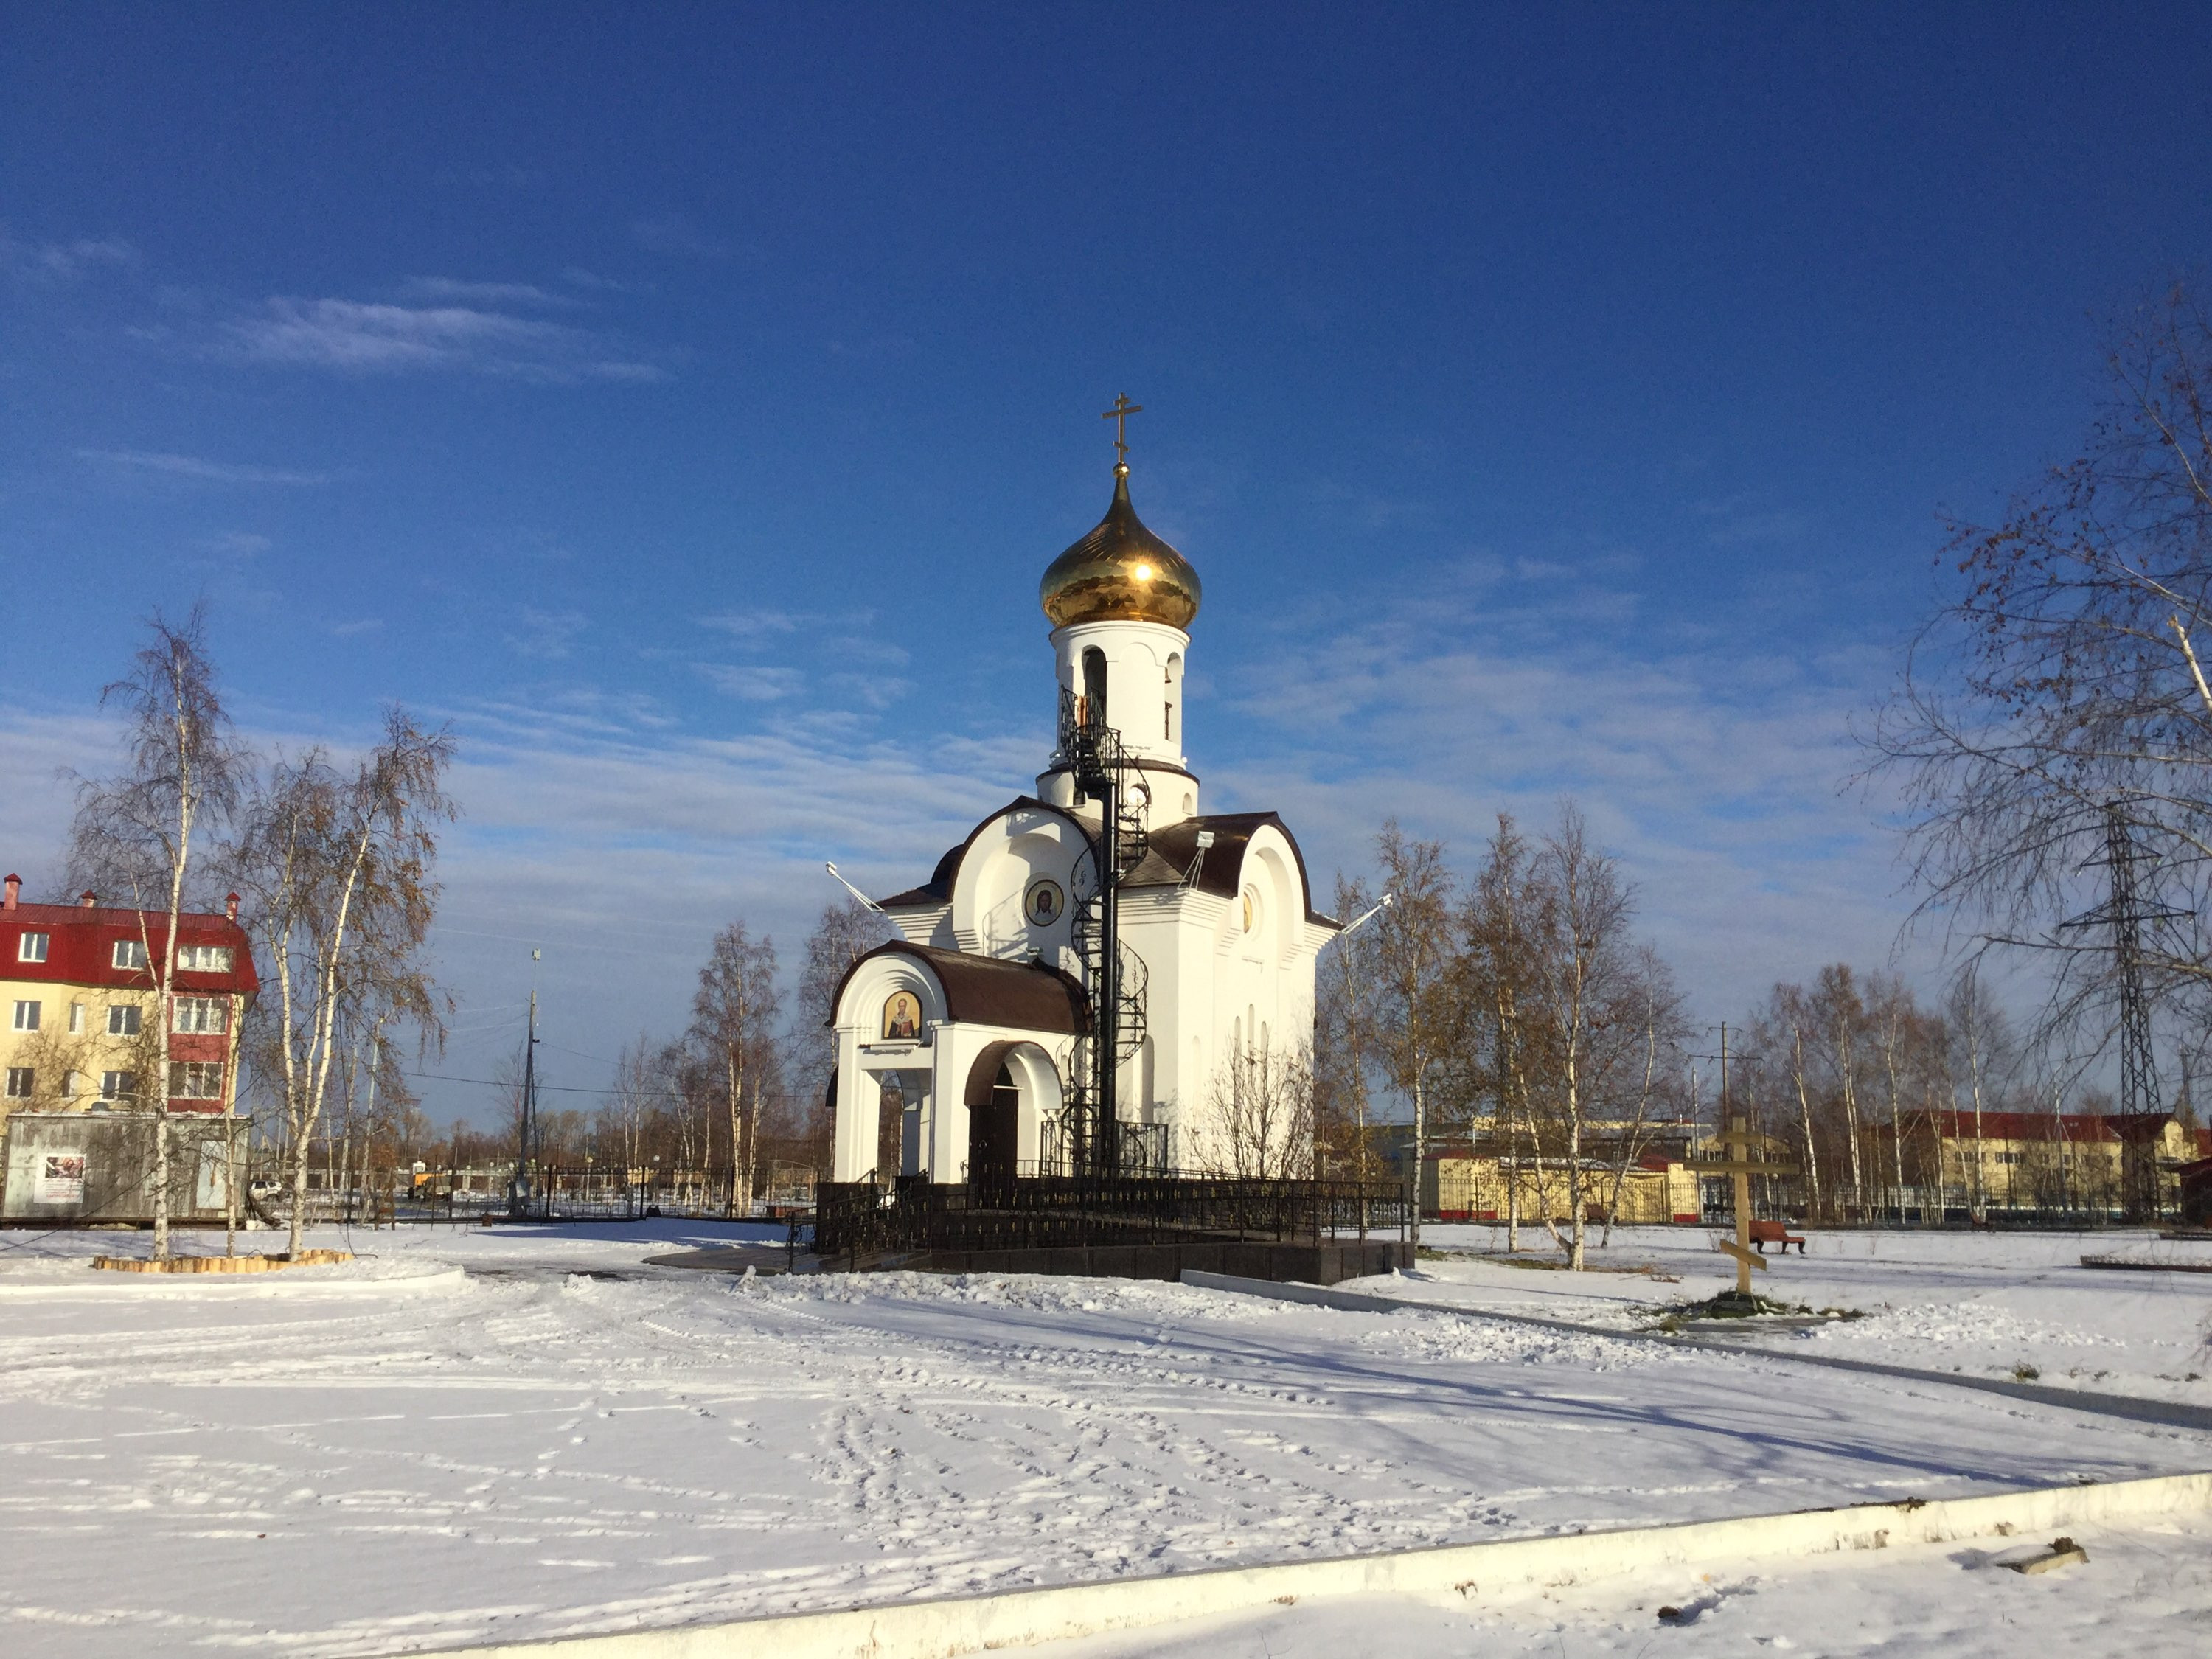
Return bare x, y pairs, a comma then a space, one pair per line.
2146, 1595
1990, 1304
472, 1435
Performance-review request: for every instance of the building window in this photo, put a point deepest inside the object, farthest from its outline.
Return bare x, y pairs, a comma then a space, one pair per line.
203, 958
196, 1080
27, 1015
202, 1014
123, 1019
72, 1085
76, 1019
32, 947
117, 1085
128, 953
20, 1079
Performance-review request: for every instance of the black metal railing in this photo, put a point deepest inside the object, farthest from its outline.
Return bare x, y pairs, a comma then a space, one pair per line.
554, 1192
1043, 1211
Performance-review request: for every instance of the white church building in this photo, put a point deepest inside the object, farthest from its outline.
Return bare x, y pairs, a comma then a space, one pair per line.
976, 1025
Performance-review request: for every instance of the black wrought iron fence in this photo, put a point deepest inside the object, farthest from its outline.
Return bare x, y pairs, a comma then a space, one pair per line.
1038, 1210
550, 1192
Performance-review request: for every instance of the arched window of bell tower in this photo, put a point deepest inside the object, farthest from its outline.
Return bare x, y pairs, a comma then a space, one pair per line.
1174, 693
1093, 684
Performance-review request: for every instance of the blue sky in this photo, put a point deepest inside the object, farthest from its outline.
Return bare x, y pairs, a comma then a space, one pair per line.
683, 401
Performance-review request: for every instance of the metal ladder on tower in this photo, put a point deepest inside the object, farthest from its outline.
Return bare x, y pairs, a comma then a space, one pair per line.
1113, 977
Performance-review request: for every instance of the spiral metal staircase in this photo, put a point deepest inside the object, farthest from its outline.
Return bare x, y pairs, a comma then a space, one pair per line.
1092, 1138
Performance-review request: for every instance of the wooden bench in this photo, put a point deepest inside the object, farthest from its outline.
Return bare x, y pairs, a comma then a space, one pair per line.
1763, 1233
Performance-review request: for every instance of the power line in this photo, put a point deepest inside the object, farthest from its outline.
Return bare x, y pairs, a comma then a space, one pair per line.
570, 1089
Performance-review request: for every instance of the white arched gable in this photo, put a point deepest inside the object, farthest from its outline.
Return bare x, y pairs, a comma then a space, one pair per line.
1004, 860
878, 979
1267, 877
1271, 868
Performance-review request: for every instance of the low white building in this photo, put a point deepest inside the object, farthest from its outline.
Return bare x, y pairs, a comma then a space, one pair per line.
980, 1018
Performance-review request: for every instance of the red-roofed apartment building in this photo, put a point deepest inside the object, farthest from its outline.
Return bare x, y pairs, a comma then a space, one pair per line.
81, 1027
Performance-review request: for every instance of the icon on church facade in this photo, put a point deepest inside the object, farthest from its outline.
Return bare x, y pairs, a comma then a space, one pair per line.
902, 1017
1044, 903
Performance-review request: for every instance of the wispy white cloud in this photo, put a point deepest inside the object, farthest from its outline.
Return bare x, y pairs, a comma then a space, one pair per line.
756, 624
1748, 517
58, 263
346, 630
751, 683
456, 290
675, 234
238, 543
351, 336
877, 692
1717, 767
207, 471
44, 750
591, 281
548, 633
758, 631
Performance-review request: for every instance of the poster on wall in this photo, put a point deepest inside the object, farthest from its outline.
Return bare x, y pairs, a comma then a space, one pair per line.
61, 1179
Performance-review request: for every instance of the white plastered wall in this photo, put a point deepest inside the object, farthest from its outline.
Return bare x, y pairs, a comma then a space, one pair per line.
1145, 675
1007, 856
1210, 982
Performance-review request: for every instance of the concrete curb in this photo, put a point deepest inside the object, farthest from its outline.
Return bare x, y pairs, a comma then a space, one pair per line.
1452, 1573
2172, 1413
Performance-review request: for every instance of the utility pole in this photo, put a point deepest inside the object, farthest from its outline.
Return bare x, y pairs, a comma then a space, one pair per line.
2125, 912
519, 1189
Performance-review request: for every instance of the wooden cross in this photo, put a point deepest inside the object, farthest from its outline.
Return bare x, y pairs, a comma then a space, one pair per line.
1120, 416
1741, 1142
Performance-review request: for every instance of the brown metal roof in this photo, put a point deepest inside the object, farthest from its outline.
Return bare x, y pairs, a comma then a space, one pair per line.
1025, 996
1178, 845
938, 890
1169, 850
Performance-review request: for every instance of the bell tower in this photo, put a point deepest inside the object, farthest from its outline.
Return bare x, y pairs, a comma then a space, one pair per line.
1119, 600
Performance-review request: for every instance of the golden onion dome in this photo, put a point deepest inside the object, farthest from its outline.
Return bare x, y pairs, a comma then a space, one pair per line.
1121, 571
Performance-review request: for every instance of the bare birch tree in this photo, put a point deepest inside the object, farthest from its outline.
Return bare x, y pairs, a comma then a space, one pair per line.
1784, 1042
1842, 1018
1343, 1021
733, 1023
1260, 1122
1661, 1027
1411, 951
137, 832
1982, 1057
1890, 1019
2062, 682
338, 868
639, 1086
1587, 992
1502, 918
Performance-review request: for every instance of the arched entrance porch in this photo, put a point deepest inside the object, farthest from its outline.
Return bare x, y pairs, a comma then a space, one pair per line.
1012, 1090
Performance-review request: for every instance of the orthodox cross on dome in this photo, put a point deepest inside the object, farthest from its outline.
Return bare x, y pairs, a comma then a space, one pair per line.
1120, 416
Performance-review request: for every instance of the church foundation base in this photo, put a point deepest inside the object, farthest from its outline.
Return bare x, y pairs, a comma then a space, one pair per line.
1329, 1261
